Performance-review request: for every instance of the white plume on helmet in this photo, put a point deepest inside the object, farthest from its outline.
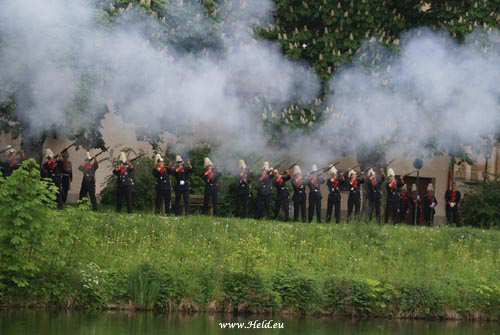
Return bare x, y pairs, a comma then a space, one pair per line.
414, 188
123, 157
296, 170
242, 164
207, 162
158, 158
333, 171
391, 173
12, 150
404, 188
371, 172
87, 156
49, 153
178, 158
352, 172
314, 168
430, 187
265, 166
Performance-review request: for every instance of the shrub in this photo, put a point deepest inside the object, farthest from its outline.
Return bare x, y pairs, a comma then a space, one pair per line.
26, 215
481, 207
298, 291
247, 293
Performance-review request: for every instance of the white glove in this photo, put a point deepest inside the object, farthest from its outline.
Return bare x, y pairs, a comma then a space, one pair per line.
182, 182
452, 204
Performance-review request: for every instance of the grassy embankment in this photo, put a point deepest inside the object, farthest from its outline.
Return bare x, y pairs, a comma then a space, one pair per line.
198, 263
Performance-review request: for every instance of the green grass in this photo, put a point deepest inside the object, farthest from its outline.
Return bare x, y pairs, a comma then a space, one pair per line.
227, 264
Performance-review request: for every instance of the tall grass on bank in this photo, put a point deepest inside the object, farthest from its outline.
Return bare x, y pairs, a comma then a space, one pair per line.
226, 264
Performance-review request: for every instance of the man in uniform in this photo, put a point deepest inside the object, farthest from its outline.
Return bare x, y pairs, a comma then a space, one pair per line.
299, 194
334, 198
263, 192
452, 198
125, 182
52, 169
354, 199
414, 202
211, 178
181, 187
375, 193
281, 193
67, 176
163, 191
314, 182
403, 204
243, 191
88, 181
392, 202
13, 162
429, 204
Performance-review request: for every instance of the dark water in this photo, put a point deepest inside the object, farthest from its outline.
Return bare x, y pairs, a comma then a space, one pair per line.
26, 322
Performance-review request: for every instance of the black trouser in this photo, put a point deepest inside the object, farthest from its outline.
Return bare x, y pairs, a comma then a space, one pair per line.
241, 205
185, 196
402, 214
281, 201
374, 204
59, 199
65, 188
452, 214
299, 204
88, 189
165, 195
263, 202
206, 200
391, 210
314, 204
428, 215
353, 202
126, 191
331, 203
412, 214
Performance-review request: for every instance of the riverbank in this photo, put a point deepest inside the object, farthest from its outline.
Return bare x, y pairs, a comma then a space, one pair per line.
139, 261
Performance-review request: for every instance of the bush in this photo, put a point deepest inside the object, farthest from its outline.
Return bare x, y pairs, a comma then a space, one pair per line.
481, 208
26, 204
249, 293
298, 291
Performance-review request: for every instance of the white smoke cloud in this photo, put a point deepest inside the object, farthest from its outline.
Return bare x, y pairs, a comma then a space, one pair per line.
49, 46
434, 88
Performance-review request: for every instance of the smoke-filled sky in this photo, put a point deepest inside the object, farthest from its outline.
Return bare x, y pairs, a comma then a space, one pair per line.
434, 88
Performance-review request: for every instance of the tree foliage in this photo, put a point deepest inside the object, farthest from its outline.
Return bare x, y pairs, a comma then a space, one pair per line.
481, 207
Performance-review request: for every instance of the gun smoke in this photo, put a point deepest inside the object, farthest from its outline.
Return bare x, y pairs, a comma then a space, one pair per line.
434, 89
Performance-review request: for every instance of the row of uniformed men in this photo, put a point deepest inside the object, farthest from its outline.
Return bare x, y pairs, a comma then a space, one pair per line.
59, 169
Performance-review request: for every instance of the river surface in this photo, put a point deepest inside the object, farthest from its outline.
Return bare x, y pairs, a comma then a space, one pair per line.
27, 322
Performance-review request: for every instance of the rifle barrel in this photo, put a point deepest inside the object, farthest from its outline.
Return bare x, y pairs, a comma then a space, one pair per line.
257, 160
409, 173
389, 163
67, 148
137, 157
291, 166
